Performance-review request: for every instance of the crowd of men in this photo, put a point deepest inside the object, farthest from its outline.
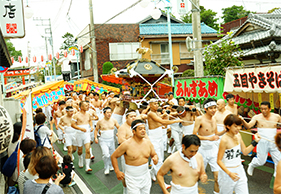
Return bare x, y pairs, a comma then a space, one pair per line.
193, 138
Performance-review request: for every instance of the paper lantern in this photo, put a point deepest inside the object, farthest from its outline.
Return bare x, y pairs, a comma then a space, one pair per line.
34, 59
81, 49
12, 59
72, 52
50, 57
65, 54
26, 59
57, 55
42, 58
19, 58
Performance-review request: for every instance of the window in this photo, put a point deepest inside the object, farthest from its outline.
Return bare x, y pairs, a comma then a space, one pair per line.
184, 54
123, 51
165, 54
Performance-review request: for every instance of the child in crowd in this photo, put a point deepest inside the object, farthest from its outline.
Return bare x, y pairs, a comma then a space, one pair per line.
67, 168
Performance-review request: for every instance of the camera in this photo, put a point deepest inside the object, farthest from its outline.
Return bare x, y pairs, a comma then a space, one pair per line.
168, 111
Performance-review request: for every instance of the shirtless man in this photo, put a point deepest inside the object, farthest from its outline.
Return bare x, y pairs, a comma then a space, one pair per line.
136, 151
182, 101
103, 100
119, 109
82, 122
57, 115
94, 118
267, 127
96, 104
221, 114
171, 99
206, 128
155, 124
230, 104
187, 125
186, 166
109, 99
75, 101
106, 140
70, 133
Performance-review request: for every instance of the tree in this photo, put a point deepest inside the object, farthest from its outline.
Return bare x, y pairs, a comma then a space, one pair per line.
106, 67
12, 50
221, 55
233, 13
206, 16
69, 40
272, 10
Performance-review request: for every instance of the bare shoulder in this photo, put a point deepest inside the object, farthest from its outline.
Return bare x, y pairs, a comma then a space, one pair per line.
198, 156
199, 118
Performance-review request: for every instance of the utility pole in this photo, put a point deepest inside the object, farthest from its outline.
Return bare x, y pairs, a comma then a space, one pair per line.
53, 54
93, 42
196, 32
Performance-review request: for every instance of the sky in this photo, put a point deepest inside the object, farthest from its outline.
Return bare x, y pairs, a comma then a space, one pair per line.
73, 16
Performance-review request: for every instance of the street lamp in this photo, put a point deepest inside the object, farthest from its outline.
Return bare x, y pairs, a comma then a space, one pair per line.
156, 13
28, 12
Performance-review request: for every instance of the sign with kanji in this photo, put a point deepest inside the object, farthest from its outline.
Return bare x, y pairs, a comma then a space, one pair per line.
182, 7
260, 79
12, 20
17, 72
199, 88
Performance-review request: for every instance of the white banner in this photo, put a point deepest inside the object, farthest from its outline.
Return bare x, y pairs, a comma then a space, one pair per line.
182, 7
258, 80
29, 118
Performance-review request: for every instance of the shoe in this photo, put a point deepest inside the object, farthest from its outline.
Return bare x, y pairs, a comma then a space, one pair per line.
89, 170
106, 172
250, 170
111, 169
65, 149
71, 184
167, 186
92, 158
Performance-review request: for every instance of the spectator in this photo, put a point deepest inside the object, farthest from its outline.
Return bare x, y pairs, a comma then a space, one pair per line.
67, 168
22, 178
27, 146
44, 132
46, 168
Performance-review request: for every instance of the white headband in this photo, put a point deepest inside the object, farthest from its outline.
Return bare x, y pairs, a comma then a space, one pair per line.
165, 106
181, 112
209, 104
130, 113
153, 100
138, 125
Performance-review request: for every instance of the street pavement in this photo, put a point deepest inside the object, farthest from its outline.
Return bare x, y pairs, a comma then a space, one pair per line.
98, 183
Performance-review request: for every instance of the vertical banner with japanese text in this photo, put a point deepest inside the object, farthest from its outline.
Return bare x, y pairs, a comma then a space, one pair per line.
199, 88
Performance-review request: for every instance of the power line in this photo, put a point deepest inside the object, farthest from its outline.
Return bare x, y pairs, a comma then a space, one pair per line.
131, 6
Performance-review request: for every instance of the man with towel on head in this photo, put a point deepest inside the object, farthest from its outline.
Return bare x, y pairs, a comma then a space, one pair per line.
267, 127
186, 166
82, 122
136, 151
155, 124
106, 140
206, 128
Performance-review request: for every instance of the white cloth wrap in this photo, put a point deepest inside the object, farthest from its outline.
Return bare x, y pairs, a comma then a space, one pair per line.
87, 127
155, 136
206, 144
188, 130
70, 136
268, 133
119, 118
232, 157
69, 130
137, 179
220, 127
192, 162
106, 134
227, 185
83, 137
177, 189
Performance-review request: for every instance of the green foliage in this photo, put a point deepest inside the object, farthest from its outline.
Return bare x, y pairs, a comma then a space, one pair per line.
106, 67
165, 11
188, 73
272, 10
69, 40
112, 84
12, 50
233, 13
206, 15
220, 56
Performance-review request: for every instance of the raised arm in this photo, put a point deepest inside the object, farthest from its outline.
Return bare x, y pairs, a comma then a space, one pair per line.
251, 123
156, 118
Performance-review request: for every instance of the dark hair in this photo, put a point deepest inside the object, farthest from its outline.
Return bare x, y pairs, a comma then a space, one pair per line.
104, 93
181, 98
38, 110
116, 96
96, 94
66, 159
27, 145
232, 119
105, 109
180, 109
189, 103
207, 101
135, 122
46, 167
144, 103
278, 140
80, 103
266, 103
26, 160
189, 140
17, 131
229, 96
40, 118
68, 107
62, 102
129, 111
159, 110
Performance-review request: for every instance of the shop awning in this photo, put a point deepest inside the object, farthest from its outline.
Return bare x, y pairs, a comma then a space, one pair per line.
5, 59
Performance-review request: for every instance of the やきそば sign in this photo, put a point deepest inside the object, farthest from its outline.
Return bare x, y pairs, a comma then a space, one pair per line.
199, 88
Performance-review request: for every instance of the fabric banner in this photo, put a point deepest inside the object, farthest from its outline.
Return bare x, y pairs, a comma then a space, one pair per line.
87, 85
29, 118
199, 88
257, 80
16, 72
68, 86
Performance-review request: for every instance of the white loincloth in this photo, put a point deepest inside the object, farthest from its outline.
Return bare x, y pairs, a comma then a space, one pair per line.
119, 118
220, 127
268, 133
137, 179
59, 131
177, 189
70, 136
83, 137
106, 134
227, 185
187, 130
106, 142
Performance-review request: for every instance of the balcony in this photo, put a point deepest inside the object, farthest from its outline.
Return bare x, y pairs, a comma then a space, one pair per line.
161, 58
